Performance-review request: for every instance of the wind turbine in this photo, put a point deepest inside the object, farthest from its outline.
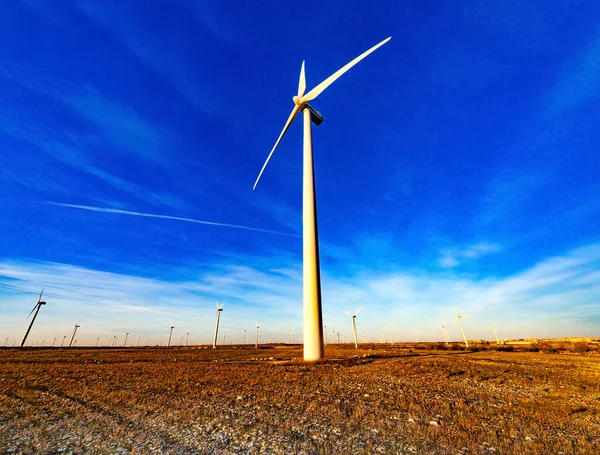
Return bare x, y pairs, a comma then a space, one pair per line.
493, 327
459, 318
446, 337
125, 342
416, 336
63, 341
97, 340
53, 342
187, 337
391, 337
325, 338
36, 308
219, 309
244, 336
353, 316
313, 320
114, 340
256, 342
170, 333
73, 336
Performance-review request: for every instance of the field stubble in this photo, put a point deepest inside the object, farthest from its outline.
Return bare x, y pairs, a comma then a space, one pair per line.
235, 400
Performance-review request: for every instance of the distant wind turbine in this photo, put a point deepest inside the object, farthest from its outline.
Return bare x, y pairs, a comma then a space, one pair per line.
416, 336
353, 316
313, 320
325, 337
36, 308
73, 336
256, 342
53, 342
391, 337
446, 337
459, 318
187, 336
63, 341
170, 333
125, 342
493, 327
219, 309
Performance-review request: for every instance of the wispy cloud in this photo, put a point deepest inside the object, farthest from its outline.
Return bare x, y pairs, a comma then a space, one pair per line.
558, 296
453, 257
167, 217
170, 60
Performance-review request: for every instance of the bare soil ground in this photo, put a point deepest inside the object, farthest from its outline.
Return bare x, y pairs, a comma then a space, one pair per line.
378, 399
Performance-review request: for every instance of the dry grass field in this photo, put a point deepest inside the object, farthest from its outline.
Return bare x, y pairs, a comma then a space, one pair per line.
394, 399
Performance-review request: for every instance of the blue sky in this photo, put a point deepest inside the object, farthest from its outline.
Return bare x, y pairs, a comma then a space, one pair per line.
457, 167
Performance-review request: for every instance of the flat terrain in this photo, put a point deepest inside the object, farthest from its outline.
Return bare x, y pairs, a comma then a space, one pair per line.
233, 400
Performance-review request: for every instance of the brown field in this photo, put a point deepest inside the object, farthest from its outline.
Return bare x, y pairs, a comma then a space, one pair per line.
378, 399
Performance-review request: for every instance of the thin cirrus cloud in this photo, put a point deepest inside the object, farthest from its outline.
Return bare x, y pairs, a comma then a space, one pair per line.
167, 217
454, 257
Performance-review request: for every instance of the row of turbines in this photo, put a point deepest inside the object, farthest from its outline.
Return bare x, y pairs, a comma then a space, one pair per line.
258, 337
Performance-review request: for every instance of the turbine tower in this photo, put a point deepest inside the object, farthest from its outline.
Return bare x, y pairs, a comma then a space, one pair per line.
125, 342
256, 342
353, 316
312, 314
493, 327
219, 309
187, 337
36, 308
459, 318
73, 336
170, 333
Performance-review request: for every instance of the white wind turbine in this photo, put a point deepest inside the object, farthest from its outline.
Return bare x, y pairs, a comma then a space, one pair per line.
493, 327
219, 309
125, 342
256, 342
416, 336
170, 333
353, 316
446, 337
36, 308
313, 320
459, 318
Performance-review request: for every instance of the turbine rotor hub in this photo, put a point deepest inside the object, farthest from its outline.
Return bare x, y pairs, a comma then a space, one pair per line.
297, 100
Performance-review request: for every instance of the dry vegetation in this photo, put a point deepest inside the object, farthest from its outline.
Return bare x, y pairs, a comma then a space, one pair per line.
402, 399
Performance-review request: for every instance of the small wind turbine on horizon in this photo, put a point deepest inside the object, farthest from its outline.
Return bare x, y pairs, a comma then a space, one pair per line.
312, 313
416, 336
493, 327
446, 337
353, 316
74, 332
170, 333
36, 308
187, 337
256, 342
459, 318
219, 309
125, 342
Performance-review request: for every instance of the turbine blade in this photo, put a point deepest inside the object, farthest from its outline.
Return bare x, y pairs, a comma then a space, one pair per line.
301, 82
285, 128
40, 299
331, 79
455, 321
34, 307
348, 313
358, 311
